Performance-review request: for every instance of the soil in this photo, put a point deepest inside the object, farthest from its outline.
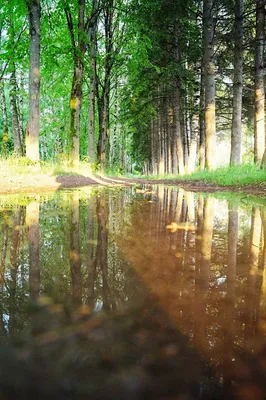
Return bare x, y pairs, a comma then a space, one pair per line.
37, 183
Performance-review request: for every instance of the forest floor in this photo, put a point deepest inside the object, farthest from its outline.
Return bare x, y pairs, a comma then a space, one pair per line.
38, 182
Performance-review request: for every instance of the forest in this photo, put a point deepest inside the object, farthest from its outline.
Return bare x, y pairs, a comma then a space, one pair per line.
143, 86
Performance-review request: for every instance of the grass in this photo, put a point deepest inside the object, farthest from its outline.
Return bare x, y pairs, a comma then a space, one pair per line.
224, 176
14, 166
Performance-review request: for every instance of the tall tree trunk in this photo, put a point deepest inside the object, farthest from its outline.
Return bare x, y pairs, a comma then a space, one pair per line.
104, 122
5, 121
177, 138
20, 106
14, 112
78, 47
92, 92
236, 133
32, 131
202, 123
259, 141
75, 108
209, 75
194, 131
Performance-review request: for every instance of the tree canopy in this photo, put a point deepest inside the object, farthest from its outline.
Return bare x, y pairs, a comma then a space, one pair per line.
154, 86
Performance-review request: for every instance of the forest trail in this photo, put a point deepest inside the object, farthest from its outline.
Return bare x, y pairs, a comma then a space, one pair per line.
197, 186
37, 183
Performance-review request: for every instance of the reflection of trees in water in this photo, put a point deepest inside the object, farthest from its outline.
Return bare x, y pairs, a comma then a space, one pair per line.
16, 242
91, 254
33, 235
74, 249
5, 229
101, 258
214, 300
120, 251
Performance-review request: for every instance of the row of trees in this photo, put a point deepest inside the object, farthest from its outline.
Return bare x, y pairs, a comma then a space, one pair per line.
149, 84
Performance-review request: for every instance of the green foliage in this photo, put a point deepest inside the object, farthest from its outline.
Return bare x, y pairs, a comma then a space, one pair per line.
227, 176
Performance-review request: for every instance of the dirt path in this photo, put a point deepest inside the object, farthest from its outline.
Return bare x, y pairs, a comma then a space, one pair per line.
38, 183
198, 186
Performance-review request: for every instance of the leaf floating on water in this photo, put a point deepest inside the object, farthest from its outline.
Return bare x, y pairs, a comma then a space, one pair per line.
173, 227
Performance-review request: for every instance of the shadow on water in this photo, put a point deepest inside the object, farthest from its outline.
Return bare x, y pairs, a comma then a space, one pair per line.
132, 294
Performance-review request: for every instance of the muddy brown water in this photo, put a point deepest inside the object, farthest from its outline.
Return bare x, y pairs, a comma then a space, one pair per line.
198, 258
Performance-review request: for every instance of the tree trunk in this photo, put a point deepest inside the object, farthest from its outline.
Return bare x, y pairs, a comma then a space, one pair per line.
209, 75
259, 141
178, 145
92, 38
194, 131
202, 123
5, 121
14, 112
32, 131
236, 133
104, 122
78, 47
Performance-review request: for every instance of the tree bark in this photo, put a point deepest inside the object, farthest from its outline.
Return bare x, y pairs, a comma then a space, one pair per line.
176, 111
32, 131
236, 132
209, 75
78, 47
202, 123
104, 99
92, 93
14, 112
259, 141
5, 121
195, 121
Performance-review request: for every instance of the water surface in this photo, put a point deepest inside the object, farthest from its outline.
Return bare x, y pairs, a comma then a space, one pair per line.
199, 259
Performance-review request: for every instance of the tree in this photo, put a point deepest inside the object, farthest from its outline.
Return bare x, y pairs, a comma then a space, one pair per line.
259, 134
236, 132
78, 48
32, 131
209, 76
92, 89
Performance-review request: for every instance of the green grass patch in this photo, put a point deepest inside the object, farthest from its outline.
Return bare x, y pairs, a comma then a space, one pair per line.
15, 166
225, 176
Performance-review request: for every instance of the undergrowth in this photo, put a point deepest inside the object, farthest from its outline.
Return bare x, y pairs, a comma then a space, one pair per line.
13, 166
224, 176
